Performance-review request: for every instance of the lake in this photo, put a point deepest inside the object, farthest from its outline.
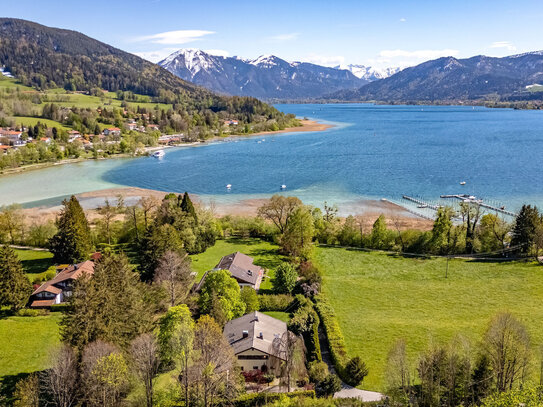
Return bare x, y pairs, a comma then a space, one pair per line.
372, 152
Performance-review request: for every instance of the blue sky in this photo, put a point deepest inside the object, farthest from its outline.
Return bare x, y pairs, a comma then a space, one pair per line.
380, 32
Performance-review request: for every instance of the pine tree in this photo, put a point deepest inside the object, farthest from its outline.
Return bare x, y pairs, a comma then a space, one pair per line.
14, 286
109, 305
525, 227
188, 207
72, 243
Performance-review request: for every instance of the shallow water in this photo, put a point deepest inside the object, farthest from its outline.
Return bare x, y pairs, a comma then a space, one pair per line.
373, 152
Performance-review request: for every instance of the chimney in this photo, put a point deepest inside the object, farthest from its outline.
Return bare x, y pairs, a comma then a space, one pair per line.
261, 335
245, 334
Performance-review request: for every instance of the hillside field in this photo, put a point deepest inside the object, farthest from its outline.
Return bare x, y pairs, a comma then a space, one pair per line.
379, 298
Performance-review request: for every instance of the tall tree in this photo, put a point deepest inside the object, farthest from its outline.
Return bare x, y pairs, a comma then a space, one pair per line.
72, 242
442, 240
108, 306
220, 293
157, 241
285, 279
188, 207
471, 212
11, 222
175, 339
507, 345
379, 233
278, 210
175, 274
61, 380
214, 364
297, 239
14, 286
525, 228
144, 356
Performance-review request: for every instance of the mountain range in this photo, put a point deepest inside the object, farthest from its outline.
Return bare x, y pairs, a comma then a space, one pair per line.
451, 79
268, 76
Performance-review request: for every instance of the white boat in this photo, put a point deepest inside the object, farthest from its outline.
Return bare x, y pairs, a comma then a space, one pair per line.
228, 186
283, 186
463, 183
159, 154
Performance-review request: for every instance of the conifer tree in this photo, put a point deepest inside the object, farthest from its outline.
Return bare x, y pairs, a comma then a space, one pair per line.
525, 227
188, 207
14, 286
72, 243
109, 305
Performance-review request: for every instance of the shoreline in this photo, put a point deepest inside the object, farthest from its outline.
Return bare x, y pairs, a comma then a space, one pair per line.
307, 126
365, 210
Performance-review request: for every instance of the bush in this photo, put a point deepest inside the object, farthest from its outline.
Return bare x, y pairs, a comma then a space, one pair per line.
318, 371
335, 338
355, 371
275, 302
310, 273
285, 279
59, 307
260, 399
330, 385
250, 298
28, 312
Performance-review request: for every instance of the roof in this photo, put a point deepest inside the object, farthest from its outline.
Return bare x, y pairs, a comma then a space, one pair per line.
241, 267
42, 303
2, 147
113, 129
72, 272
255, 323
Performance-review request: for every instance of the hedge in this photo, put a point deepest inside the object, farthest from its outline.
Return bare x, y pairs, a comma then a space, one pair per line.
59, 307
260, 399
335, 338
275, 302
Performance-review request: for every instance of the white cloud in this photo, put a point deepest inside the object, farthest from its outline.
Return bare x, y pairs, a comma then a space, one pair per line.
174, 37
509, 46
403, 20
155, 55
325, 60
284, 37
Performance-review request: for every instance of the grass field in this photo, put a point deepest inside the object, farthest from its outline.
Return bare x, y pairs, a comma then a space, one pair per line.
379, 298
25, 343
35, 262
32, 121
265, 254
283, 316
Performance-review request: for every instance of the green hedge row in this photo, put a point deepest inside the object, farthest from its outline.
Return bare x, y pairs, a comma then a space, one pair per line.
335, 338
260, 399
275, 302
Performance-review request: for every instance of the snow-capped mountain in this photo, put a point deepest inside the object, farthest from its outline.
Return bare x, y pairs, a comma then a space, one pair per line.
267, 76
369, 73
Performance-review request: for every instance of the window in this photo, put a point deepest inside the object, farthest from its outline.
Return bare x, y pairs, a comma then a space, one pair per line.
252, 357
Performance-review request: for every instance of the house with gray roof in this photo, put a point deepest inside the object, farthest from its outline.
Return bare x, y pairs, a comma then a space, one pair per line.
241, 268
257, 341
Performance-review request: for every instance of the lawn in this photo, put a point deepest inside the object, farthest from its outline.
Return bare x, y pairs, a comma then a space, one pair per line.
25, 343
379, 298
32, 121
35, 262
283, 316
265, 254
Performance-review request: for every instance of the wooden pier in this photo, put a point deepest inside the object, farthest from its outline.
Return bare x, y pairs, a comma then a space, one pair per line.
472, 199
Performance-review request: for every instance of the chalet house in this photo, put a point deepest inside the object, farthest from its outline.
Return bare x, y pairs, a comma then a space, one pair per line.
152, 127
56, 291
13, 137
112, 131
131, 126
4, 149
230, 122
256, 339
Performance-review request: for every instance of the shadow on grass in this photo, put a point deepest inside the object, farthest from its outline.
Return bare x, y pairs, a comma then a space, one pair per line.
248, 241
36, 266
7, 386
4, 313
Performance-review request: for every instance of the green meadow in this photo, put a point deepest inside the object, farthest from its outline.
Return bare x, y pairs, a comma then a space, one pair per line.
379, 298
265, 255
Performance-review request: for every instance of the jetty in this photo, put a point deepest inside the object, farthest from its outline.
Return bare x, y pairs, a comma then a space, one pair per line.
472, 199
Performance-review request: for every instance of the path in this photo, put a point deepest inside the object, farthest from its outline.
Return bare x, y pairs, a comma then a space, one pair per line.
346, 390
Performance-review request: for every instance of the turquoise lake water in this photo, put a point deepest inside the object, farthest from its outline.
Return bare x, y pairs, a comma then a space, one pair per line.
372, 152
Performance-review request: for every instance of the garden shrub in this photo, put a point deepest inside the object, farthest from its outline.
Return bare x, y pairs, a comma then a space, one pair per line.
275, 302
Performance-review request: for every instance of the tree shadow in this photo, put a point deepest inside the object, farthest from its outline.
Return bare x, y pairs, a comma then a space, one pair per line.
4, 313
36, 266
243, 240
7, 386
